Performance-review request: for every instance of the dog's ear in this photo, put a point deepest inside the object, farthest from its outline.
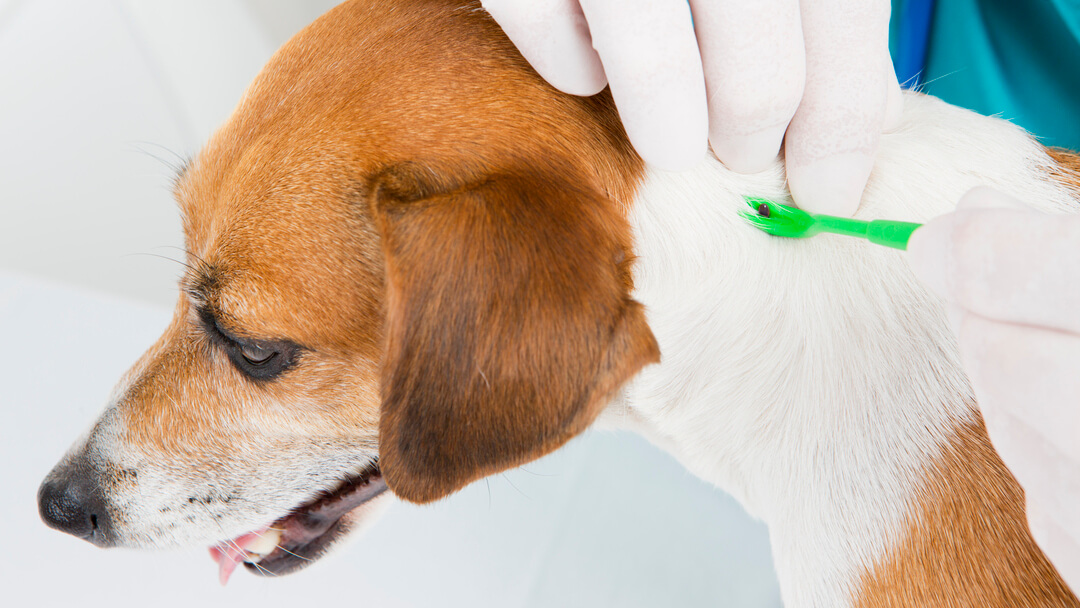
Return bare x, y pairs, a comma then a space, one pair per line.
508, 324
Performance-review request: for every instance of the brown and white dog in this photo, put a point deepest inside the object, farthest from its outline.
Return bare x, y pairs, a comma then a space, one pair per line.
414, 264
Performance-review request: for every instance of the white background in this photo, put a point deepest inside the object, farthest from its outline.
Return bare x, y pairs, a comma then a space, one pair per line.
97, 99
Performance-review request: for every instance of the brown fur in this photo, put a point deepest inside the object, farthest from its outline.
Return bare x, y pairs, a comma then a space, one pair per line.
967, 543
1067, 169
497, 352
419, 207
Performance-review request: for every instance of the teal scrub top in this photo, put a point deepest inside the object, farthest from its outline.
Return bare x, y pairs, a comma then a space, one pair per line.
1018, 59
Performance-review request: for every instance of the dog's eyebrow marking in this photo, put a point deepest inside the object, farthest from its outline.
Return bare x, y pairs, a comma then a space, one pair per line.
203, 282
203, 285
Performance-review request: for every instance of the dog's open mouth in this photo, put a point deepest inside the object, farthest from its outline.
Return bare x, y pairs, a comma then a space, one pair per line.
302, 536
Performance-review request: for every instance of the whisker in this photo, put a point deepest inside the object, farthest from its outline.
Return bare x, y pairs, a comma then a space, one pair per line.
232, 543
187, 252
164, 257
922, 85
244, 552
507, 480
535, 474
306, 559
177, 165
260, 568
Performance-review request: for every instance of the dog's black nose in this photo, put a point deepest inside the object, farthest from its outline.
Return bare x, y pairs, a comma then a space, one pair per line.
71, 501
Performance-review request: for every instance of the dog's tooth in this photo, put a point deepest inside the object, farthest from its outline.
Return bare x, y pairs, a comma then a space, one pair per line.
263, 545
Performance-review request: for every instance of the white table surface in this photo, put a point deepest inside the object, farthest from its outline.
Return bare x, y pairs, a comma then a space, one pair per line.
607, 521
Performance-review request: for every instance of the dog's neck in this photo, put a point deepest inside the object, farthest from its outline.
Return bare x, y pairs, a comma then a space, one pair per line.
816, 380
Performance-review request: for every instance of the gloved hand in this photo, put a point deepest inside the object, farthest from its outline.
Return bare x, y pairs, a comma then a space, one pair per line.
1012, 280
737, 74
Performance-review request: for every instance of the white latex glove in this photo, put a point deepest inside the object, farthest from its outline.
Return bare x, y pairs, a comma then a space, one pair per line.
1012, 279
738, 73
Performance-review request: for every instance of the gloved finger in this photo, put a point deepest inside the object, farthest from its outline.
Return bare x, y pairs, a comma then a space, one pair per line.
1006, 265
834, 135
1060, 545
553, 36
755, 66
1026, 376
653, 66
1050, 481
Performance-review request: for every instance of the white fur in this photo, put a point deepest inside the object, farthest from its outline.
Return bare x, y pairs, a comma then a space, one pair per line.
202, 497
813, 379
188, 496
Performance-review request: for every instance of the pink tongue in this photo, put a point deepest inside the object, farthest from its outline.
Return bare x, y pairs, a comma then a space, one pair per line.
232, 553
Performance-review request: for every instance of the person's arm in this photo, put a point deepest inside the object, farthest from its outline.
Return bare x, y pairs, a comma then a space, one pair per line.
739, 75
1011, 277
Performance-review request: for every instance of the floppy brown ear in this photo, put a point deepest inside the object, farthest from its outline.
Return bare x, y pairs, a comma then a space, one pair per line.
509, 325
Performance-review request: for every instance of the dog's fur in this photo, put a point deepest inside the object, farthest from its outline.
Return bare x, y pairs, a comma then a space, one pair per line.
463, 268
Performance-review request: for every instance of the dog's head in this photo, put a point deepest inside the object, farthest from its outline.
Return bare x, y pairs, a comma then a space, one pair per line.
408, 266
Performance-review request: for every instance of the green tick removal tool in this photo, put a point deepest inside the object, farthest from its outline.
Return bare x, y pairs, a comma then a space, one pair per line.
781, 220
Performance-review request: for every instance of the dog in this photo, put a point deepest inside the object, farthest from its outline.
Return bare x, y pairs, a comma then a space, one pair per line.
413, 264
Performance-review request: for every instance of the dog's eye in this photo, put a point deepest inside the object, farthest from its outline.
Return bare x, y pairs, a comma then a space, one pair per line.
259, 360
263, 361
256, 355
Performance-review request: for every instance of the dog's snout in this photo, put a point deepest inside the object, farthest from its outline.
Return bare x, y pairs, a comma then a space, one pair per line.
71, 500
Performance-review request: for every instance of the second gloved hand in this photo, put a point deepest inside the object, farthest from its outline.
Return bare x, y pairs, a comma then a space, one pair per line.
1011, 277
